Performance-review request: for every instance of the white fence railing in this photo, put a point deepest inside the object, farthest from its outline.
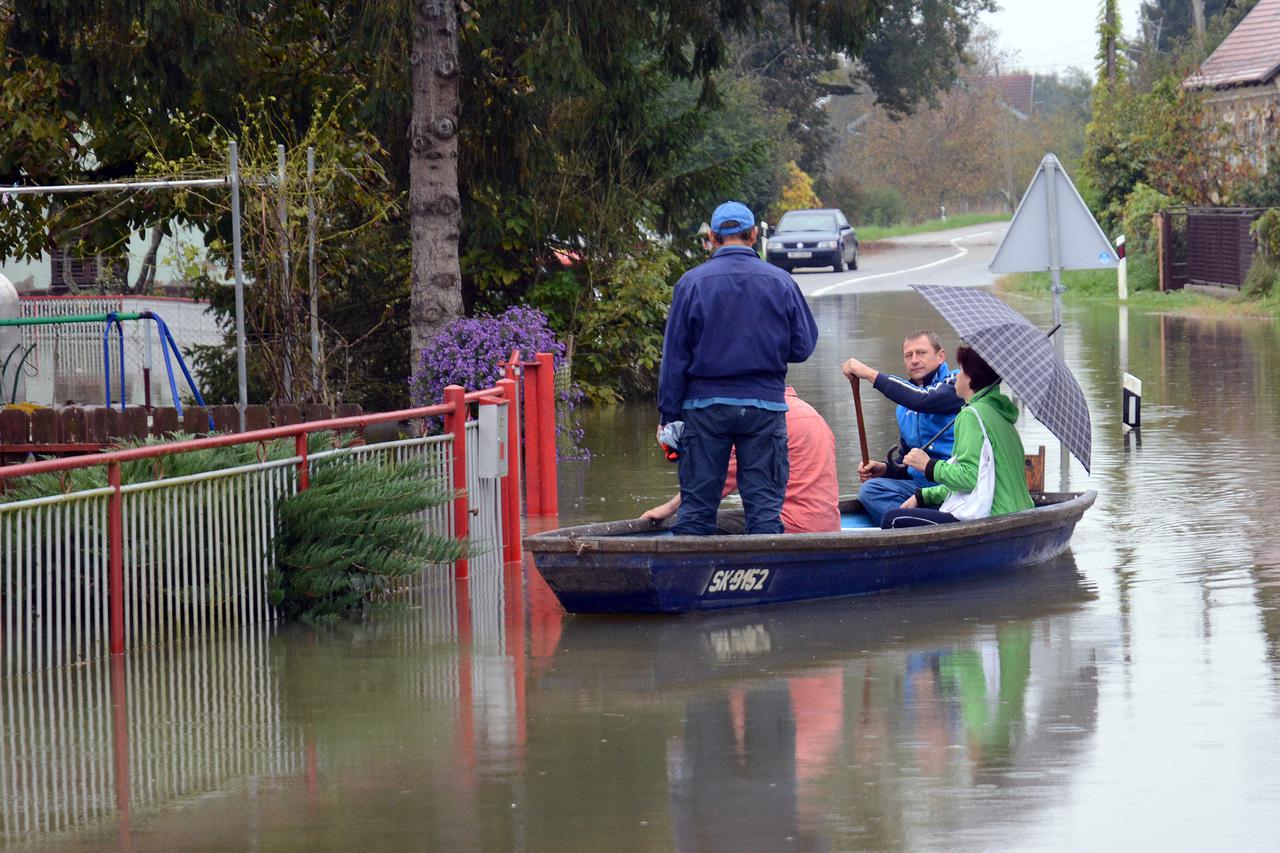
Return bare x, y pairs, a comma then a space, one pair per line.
53, 581
196, 551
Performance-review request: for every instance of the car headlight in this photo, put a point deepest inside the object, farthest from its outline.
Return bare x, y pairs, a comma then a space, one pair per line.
775, 244
827, 244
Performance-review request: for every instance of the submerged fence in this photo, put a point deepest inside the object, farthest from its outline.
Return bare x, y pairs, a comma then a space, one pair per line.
86, 745
131, 566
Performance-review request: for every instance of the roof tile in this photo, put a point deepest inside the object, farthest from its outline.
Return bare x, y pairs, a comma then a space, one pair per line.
1249, 54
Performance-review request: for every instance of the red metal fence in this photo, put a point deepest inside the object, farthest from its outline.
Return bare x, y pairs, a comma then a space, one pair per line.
52, 553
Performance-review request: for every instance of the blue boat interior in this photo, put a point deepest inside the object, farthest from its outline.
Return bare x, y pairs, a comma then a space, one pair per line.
848, 521
855, 520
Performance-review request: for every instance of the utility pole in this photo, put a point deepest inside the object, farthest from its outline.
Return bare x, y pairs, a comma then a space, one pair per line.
1109, 40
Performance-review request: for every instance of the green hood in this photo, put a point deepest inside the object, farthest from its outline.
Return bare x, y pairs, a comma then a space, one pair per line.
996, 402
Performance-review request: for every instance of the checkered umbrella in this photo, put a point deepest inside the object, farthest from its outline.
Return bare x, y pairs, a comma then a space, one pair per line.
1024, 357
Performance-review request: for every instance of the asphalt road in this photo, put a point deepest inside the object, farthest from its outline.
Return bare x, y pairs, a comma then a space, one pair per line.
958, 256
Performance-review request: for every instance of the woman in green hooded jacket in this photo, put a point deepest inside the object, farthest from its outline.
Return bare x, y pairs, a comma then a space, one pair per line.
985, 476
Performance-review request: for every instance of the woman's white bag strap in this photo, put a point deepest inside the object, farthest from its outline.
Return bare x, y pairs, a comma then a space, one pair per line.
970, 506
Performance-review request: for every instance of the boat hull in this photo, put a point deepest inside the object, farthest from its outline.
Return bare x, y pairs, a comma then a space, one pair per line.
630, 567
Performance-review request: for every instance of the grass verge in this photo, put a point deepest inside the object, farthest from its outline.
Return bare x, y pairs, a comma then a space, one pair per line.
1100, 285
868, 233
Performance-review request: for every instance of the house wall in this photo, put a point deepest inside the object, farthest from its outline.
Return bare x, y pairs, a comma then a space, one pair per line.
183, 246
1252, 114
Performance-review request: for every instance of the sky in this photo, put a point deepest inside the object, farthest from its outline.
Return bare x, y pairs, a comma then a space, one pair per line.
1045, 36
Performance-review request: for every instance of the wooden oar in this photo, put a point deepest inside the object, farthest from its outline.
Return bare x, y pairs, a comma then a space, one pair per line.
854, 382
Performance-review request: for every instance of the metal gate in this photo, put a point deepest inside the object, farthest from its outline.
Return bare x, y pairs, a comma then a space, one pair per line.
1206, 245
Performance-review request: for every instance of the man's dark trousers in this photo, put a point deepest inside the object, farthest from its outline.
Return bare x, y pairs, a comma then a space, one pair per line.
760, 437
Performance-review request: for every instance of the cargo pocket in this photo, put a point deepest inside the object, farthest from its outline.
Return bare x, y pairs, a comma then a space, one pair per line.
781, 463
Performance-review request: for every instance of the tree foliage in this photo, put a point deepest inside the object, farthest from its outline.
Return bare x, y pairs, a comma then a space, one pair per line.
916, 50
797, 193
1148, 129
585, 129
353, 534
1165, 25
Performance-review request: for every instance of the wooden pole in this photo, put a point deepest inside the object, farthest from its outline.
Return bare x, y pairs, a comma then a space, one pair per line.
854, 384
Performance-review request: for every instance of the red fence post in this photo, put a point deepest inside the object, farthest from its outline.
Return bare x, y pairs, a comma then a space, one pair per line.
300, 450
511, 483
455, 422
120, 747
532, 445
549, 486
115, 558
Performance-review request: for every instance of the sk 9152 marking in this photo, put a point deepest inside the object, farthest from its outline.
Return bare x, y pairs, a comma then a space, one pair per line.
737, 580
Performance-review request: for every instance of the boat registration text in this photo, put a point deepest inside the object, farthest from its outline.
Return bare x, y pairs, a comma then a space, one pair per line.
737, 580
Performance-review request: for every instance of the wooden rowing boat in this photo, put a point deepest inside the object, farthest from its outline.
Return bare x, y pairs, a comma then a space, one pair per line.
637, 566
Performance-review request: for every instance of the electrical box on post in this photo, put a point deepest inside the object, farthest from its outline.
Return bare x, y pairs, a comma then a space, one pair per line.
491, 461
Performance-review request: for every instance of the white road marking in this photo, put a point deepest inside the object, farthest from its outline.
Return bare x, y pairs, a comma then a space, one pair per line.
954, 241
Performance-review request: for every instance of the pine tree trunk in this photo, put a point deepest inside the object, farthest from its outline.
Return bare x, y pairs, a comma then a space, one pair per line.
434, 206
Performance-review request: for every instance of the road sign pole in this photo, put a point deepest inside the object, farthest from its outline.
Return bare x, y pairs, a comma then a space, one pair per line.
1050, 166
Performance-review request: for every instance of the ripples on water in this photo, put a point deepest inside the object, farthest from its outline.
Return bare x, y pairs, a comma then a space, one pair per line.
1122, 696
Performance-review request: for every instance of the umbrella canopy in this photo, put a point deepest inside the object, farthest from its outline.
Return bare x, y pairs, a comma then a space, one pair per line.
1024, 357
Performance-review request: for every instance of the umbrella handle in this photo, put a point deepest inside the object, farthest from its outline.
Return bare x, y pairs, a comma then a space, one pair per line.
862, 428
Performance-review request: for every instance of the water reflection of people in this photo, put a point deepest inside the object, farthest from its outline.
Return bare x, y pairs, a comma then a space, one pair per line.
986, 475
978, 693
745, 774
732, 775
991, 720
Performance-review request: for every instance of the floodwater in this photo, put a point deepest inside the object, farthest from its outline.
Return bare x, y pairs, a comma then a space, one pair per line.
1125, 696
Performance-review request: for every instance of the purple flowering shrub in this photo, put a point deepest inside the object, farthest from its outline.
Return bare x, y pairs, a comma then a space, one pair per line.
467, 352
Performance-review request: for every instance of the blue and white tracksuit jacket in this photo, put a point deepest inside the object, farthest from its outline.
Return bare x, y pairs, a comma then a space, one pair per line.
922, 411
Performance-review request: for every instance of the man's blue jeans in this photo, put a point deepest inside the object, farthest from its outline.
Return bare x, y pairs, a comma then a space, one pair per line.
881, 494
760, 439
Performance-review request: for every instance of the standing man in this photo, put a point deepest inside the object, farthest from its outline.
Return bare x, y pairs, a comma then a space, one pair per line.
812, 504
926, 404
735, 323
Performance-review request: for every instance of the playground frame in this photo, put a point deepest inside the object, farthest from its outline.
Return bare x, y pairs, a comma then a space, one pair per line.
233, 182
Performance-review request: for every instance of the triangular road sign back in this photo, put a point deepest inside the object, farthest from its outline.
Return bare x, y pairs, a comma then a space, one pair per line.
1027, 246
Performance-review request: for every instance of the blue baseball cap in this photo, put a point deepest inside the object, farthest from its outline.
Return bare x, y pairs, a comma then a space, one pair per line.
732, 217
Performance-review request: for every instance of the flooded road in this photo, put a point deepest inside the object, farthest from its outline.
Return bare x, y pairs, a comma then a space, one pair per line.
1124, 696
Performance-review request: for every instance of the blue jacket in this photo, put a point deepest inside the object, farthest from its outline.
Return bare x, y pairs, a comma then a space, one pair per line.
735, 324
923, 410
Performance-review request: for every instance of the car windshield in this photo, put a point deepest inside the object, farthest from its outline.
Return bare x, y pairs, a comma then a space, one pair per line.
807, 222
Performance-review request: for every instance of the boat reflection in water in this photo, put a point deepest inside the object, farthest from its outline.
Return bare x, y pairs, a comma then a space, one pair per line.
814, 723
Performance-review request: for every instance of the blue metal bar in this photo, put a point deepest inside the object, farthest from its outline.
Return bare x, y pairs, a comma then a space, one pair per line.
168, 365
167, 338
113, 318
